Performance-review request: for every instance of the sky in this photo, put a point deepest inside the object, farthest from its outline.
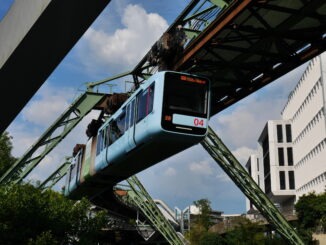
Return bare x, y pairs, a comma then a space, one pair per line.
115, 43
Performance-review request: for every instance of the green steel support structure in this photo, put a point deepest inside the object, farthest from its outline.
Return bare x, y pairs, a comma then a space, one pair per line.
221, 154
139, 197
49, 140
195, 18
56, 176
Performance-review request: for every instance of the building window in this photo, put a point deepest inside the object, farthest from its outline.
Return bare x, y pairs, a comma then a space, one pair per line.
279, 133
266, 165
288, 133
265, 145
280, 157
267, 183
291, 180
257, 164
282, 180
290, 156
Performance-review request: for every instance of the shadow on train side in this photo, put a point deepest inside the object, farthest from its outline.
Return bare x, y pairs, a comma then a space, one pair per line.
167, 114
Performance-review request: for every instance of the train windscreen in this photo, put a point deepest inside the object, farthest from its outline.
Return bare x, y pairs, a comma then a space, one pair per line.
185, 103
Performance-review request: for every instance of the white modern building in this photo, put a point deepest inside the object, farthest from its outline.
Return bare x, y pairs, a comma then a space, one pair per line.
291, 157
254, 169
276, 164
306, 111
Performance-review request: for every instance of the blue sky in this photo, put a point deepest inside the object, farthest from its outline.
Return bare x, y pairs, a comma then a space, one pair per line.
116, 41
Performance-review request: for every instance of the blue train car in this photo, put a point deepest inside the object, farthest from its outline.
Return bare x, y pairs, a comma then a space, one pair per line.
167, 114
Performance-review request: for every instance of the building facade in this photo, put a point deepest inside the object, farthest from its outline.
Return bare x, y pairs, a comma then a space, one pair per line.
291, 158
306, 111
254, 169
277, 167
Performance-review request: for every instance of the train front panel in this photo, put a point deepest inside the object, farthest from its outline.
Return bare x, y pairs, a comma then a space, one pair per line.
186, 104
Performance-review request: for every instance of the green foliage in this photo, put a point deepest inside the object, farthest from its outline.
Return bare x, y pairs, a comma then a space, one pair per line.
195, 234
246, 232
44, 238
205, 209
6, 159
210, 238
311, 211
201, 223
29, 216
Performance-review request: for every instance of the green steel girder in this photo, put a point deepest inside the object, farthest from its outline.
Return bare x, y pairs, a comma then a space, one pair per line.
66, 122
223, 156
91, 85
139, 197
56, 176
194, 19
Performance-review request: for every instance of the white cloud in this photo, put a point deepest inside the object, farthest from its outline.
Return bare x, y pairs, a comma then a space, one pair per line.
48, 104
202, 167
170, 171
223, 177
120, 51
242, 154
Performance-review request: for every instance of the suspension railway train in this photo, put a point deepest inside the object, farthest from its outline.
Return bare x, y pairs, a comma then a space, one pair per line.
167, 114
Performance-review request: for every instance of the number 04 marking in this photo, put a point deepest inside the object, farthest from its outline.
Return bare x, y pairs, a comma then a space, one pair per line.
198, 122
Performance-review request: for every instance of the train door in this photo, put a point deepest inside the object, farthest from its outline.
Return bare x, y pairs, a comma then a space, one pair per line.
130, 125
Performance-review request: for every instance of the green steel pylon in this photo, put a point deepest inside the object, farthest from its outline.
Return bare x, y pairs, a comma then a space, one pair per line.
52, 136
56, 176
139, 197
223, 156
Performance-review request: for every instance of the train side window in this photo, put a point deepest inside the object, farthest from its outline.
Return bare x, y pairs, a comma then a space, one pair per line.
121, 120
79, 161
68, 179
108, 138
145, 103
150, 99
141, 105
114, 133
105, 137
99, 142
127, 116
73, 170
132, 113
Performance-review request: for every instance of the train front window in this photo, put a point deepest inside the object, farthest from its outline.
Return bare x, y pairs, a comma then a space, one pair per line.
186, 94
185, 103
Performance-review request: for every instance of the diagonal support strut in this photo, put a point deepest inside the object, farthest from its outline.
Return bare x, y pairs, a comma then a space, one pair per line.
223, 156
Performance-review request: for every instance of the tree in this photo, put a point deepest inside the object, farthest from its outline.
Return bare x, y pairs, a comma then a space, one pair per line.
6, 159
246, 232
30, 216
201, 223
211, 238
204, 218
311, 212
